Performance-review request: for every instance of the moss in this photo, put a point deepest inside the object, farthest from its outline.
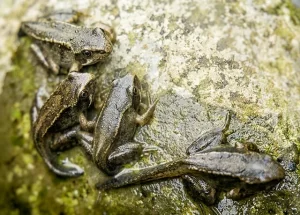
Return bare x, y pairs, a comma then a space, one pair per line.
137, 68
284, 32
132, 37
278, 9
27, 187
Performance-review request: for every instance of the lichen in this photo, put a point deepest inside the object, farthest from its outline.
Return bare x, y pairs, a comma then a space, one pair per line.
201, 60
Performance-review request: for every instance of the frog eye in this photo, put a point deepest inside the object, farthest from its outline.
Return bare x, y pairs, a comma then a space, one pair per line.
102, 52
135, 91
84, 94
87, 53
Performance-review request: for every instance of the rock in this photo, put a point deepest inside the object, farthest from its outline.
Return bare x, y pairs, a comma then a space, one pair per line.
202, 59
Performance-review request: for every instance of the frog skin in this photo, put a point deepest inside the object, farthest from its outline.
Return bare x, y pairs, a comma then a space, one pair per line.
61, 44
111, 145
204, 171
61, 111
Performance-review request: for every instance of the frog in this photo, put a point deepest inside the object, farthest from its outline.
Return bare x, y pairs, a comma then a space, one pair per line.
59, 44
111, 143
59, 112
237, 170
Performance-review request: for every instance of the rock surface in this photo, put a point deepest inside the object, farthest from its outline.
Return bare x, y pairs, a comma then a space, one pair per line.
201, 59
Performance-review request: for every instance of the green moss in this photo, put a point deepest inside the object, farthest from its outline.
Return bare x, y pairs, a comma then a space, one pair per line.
137, 68
132, 37
284, 32
281, 6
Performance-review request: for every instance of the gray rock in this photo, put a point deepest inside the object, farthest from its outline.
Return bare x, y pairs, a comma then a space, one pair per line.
202, 58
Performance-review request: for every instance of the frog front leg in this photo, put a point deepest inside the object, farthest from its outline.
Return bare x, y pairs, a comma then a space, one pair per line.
44, 59
40, 97
145, 117
211, 138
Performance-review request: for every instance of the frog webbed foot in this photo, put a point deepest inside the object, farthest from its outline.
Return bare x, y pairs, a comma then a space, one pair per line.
239, 193
199, 189
75, 67
247, 146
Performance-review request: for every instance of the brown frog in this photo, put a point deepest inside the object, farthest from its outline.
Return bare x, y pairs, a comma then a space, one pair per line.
111, 145
61, 44
237, 170
61, 111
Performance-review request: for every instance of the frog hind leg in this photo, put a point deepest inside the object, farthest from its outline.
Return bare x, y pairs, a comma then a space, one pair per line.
67, 169
64, 140
67, 139
125, 153
199, 189
49, 64
108, 30
66, 15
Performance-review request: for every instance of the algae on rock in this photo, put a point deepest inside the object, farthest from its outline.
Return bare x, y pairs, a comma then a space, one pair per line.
202, 59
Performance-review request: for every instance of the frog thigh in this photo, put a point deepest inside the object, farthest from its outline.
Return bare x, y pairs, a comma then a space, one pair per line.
199, 189
126, 153
64, 140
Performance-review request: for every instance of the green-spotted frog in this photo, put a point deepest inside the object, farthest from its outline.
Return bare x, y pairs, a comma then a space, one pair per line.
111, 145
61, 111
61, 44
237, 170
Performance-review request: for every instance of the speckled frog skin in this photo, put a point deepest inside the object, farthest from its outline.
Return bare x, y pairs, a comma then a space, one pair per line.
61, 111
236, 170
112, 144
61, 44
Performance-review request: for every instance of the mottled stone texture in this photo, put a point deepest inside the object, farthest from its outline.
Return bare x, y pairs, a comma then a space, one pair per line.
201, 58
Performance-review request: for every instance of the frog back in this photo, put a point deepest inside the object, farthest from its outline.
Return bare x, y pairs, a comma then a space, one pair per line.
62, 100
111, 124
76, 38
109, 121
251, 168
